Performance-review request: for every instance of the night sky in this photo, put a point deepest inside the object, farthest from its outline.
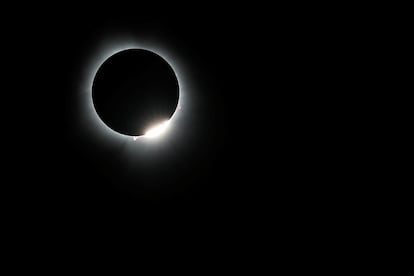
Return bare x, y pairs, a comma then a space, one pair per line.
279, 142
255, 133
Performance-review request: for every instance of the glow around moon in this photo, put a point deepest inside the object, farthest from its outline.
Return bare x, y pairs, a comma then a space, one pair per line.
157, 130
99, 129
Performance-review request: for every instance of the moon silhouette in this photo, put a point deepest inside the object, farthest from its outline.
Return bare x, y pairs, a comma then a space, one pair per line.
134, 90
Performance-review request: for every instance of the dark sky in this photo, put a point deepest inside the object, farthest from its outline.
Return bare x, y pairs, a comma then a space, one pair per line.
254, 134
277, 146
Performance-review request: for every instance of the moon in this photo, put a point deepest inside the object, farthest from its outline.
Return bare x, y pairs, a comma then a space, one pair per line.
135, 92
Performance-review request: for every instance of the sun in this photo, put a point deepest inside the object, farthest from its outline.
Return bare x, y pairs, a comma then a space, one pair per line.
158, 130
107, 47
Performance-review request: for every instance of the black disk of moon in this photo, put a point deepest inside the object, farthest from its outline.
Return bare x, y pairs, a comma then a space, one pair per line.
134, 90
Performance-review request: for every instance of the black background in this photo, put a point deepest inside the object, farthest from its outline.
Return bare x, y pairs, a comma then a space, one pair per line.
288, 151
267, 134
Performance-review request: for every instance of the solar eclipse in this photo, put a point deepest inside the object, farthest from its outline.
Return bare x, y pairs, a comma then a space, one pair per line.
135, 92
